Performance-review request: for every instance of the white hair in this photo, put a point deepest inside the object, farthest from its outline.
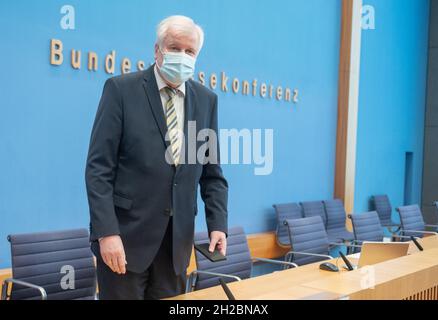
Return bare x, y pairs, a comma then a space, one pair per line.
182, 24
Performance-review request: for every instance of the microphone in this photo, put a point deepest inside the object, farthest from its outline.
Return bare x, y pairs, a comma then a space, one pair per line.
417, 244
226, 289
346, 261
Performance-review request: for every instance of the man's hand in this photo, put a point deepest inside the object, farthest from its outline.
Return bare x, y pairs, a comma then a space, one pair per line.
218, 240
113, 253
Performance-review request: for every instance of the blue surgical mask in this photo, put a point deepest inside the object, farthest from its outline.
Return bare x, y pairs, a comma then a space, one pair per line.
177, 67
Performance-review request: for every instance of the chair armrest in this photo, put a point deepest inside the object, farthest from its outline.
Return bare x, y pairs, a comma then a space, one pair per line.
223, 275
310, 254
6, 283
346, 244
418, 231
190, 284
402, 237
284, 263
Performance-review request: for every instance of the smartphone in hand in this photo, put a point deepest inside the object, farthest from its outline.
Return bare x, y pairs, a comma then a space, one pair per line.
214, 256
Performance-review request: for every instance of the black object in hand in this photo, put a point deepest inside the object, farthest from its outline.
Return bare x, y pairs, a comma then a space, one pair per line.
214, 256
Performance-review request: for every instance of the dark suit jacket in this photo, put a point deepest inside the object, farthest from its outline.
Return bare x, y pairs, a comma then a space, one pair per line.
132, 190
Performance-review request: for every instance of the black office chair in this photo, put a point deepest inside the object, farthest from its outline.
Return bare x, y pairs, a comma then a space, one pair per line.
236, 267
55, 265
335, 232
283, 212
382, 205
367, 227
309, 241
336, 218
412, 223
314, 208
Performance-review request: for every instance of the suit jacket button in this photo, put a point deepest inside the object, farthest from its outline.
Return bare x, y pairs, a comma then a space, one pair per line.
168, 212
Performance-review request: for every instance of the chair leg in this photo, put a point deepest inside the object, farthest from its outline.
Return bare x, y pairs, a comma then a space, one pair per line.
4, 293
287, 258
191, 282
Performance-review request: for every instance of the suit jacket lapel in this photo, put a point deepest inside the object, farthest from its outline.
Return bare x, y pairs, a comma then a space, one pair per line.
153, 95
154, 101
189, 115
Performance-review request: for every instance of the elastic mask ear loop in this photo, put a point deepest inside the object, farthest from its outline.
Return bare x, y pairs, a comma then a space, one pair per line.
162, 54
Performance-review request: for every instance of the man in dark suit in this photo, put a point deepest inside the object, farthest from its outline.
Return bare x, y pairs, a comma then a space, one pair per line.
141, 189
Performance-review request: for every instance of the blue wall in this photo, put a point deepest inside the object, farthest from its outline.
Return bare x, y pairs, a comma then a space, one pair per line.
392, 101
47, 112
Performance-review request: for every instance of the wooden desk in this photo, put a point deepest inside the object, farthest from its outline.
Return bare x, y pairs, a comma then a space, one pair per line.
402, 278
411, 277
427, 243
244, 292
279, 285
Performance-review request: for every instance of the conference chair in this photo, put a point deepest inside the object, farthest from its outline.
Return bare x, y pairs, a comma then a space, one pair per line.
236, 267
55, 265
309, 241
285, 211
412, 223
367, 227
336, 217
382, 206
314, 208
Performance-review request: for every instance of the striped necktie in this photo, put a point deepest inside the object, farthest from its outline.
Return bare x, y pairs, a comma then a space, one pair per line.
172, 125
